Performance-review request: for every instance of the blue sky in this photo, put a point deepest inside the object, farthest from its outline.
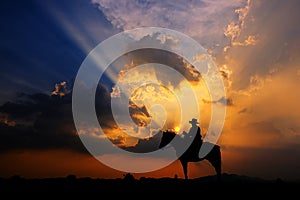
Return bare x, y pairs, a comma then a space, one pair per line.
37, 51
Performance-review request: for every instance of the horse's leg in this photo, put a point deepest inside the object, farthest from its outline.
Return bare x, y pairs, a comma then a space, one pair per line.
184, 166
217, 166
214, 158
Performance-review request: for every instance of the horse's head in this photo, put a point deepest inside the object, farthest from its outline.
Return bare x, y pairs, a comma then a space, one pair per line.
166, 138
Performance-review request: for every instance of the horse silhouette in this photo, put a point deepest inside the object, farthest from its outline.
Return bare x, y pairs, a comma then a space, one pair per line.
189, 155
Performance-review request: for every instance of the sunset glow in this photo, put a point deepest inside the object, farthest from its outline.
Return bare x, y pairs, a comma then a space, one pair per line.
254, 46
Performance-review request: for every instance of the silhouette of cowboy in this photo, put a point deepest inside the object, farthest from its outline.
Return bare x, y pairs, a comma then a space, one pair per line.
195, 130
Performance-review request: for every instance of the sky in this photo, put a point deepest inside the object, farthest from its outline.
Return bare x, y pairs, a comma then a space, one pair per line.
254, 44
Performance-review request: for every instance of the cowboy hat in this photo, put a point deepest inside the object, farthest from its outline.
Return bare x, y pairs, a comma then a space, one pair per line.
193, 121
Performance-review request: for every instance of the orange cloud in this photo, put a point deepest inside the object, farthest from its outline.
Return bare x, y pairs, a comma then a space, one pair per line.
60, 89
5, 120
115, 92
251, 40
234, 29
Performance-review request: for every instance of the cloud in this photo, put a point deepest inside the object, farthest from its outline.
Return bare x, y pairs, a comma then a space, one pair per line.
26, 107
244, 110
267, 115
119, 140
144, 56
44, 121
234, 29
203, 19
226, 73
139, 115
5, 120
256, 134
60, 89
251, 40
162, 92
51, 128
261, 45
223, 100
115, 92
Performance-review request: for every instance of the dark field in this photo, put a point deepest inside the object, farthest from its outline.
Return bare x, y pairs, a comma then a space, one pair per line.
231, 186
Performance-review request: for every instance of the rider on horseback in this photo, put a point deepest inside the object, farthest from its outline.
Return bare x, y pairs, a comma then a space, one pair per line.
191, 154
195, 130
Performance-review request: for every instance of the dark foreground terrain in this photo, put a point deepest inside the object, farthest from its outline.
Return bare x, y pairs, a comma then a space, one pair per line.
231, 186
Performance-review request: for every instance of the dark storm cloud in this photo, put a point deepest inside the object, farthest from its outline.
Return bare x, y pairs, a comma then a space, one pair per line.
45, 121
103, 107
163, 57
41, 121
144, 56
